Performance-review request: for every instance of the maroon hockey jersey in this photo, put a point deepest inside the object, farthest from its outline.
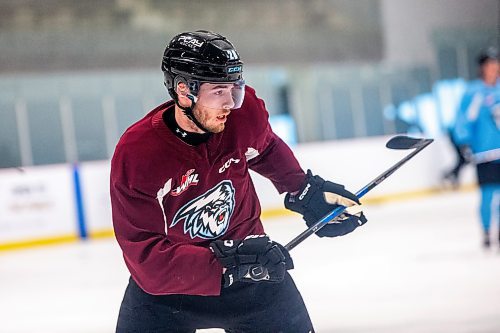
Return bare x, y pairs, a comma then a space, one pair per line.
170, 200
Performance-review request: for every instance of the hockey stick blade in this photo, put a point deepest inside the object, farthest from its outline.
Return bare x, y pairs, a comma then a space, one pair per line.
398, 141
405, 142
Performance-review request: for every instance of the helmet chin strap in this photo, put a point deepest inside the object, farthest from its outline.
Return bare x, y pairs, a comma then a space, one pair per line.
188, 111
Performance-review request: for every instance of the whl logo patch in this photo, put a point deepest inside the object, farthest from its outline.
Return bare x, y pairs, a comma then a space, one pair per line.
189, 179
208, 215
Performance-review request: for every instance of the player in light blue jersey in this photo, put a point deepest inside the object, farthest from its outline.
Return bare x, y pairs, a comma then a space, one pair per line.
478, 128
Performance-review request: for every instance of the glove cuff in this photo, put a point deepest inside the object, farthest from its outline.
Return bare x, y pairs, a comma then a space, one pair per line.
301, 198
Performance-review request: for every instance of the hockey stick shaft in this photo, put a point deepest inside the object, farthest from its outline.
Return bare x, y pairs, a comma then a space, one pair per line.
367, 188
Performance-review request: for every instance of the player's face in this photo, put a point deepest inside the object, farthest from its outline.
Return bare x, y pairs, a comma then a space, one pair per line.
218, 95
212, 119
214, 104
490, 71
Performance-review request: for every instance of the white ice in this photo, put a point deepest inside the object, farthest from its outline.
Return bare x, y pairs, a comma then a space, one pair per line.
416, 266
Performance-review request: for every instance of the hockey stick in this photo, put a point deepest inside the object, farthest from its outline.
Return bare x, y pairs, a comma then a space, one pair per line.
400, 142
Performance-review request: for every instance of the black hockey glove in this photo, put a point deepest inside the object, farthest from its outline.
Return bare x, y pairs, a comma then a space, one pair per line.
318, 197
253, 259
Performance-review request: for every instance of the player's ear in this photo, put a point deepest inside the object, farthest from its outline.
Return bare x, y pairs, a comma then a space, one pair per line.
182, 91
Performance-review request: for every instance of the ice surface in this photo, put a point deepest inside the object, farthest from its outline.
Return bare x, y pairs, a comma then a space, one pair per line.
416, 266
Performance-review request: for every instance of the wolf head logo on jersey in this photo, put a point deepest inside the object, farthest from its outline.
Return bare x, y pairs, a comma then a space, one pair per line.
208, 215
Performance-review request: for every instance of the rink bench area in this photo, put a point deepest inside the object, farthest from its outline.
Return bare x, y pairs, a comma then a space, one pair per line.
64, 203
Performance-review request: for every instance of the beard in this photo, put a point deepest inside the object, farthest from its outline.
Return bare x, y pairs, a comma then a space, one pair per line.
207, 120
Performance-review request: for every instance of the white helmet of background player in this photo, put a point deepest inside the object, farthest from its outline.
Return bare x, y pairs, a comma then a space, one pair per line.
204, 58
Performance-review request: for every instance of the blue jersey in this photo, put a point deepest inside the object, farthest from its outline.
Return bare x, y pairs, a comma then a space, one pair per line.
478, 119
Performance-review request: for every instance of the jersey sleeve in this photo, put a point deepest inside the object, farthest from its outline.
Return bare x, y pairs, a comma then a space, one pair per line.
466, 116
275, 160
158, 264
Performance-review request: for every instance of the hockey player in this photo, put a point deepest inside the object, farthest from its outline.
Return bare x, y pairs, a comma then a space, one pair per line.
478, 128
185, 211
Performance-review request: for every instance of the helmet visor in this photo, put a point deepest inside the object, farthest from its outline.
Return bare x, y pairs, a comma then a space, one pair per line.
221, 95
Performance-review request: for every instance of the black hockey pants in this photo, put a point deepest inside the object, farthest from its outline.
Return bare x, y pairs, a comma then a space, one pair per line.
241, 308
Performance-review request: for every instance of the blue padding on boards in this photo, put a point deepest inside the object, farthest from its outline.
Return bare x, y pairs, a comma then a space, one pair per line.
79, 203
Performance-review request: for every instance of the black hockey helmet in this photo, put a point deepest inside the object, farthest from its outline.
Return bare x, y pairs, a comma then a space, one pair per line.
201, 57
197, 57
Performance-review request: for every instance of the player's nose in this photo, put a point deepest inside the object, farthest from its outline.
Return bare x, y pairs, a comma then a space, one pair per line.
228, 105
